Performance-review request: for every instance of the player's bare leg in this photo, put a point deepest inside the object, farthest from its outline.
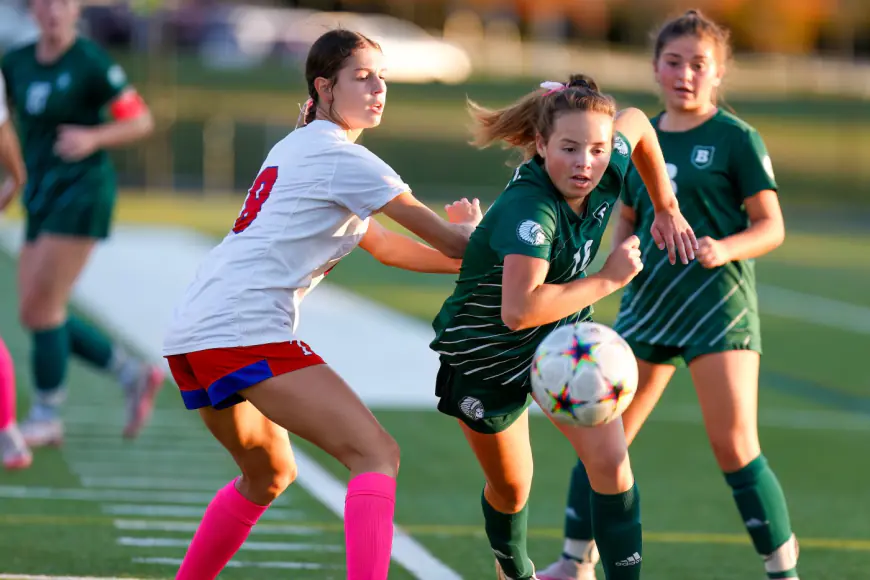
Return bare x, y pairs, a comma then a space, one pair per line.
262, 451
317, 405
614, 502
48, 270
727, 387
579, 553
506, 460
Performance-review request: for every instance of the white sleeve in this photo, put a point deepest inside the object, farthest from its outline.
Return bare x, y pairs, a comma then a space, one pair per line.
364, 183
4, 110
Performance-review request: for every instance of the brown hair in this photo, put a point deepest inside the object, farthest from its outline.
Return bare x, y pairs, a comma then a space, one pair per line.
695, 23
326, 57
517, 125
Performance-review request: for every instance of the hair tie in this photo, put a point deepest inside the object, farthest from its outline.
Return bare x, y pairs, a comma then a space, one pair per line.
303, 112
553, 87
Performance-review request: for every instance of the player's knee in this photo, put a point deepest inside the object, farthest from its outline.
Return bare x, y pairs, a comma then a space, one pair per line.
378, 453
509, 495
734, 449
267, 478
35, 314
609, 470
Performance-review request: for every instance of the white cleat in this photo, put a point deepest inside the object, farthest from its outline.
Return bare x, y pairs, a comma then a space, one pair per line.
568, 569
42, 432
14, 452
141, 397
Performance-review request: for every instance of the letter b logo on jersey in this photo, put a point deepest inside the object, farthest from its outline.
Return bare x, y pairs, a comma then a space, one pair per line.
702, 156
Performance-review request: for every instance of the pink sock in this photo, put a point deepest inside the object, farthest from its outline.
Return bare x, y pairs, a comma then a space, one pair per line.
7, 388
224, 528
368, 525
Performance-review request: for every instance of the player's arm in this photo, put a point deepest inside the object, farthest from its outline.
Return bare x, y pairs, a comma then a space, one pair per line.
448, 238
670, 229
394, 249
527, 302
766, 232
131, 121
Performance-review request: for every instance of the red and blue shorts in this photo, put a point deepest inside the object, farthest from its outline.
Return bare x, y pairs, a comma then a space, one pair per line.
214, 377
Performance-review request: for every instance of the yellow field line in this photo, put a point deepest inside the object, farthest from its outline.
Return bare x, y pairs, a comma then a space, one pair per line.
459, 531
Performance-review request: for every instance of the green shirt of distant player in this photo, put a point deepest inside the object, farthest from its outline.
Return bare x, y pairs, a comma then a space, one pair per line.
531, 218
687, 310
70, 198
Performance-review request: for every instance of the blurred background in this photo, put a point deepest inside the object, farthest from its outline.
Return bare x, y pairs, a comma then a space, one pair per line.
225, 82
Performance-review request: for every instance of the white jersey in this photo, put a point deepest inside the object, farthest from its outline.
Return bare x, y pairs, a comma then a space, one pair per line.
309, 208
4, 110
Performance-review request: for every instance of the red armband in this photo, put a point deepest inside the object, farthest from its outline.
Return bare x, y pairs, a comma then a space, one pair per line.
128, 105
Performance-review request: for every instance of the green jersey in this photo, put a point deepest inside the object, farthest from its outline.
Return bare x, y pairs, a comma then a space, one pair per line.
714, 168
73, 90
530, 218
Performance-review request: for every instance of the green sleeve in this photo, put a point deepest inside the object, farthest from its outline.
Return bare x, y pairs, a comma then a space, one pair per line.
628, 195
752, 166
620, 159
524, 226
108, 79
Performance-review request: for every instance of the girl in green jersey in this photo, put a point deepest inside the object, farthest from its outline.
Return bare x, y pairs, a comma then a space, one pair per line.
705, 314
71, 103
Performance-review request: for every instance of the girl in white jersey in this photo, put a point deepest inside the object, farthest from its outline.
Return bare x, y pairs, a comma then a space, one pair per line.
13, 451
232, 346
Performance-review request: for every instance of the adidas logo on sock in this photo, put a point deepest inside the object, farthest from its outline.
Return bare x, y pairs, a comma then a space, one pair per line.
632, 560
755, 523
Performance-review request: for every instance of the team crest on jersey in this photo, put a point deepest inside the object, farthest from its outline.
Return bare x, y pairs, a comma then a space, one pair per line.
63, 81
37, 96
531, 233
471, 408
600, 212
620, 146
702, 156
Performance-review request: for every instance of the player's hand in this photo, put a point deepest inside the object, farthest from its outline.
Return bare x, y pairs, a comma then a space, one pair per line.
74, 143
671, 230
464, 212
624, 262
712, 253
8, 189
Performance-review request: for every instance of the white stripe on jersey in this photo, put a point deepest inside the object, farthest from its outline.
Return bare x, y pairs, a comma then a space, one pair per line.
676, 316
658, 302
731, 325
710, 313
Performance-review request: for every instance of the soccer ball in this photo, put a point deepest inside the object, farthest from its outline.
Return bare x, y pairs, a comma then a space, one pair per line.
584, 374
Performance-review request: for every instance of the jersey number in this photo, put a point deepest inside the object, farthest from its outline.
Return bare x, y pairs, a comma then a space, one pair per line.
582, 258
257, 196
672, 173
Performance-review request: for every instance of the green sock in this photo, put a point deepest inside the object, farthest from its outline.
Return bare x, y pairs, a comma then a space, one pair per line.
89, 343
578, 516
507, 538
762, 506
616, 523
49, 361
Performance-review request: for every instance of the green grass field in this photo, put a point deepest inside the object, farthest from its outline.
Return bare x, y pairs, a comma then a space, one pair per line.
815, 420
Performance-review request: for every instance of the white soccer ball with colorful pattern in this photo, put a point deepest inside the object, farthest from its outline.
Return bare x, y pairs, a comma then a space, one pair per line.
584, 374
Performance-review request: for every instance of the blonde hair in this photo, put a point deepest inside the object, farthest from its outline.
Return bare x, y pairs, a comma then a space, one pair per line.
518, 125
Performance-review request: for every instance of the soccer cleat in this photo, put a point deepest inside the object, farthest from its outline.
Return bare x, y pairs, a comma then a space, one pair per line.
42, 432
13, 450
568, 569
784, 559
141, 395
